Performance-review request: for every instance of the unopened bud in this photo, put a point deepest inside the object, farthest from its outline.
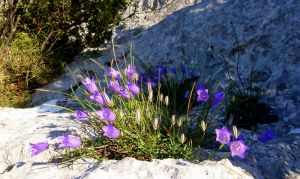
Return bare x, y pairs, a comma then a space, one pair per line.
149, 87
179, 123
150, 97
173, 120
182, 138
167, 100
161, 97
235, 132
203, 125
155, 123
138, 116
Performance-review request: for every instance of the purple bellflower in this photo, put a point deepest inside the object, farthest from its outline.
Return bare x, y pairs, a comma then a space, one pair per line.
131, 72
173, 70
202, 93
238, 148
218, 97
110, 131
69, 141
159, 70
125, 94
187, 94
115, 86
80, 114
111, 72
90, 85
106, 114
223, 135
38, 148
183, 68
133, 88
266, 136
98, 98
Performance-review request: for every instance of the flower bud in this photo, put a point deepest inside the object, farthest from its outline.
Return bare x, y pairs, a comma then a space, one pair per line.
182, 138
150, 97
173, 120
167, 100
203, 125
149, 87
235, 132
179, 123
161, 97
138, 116
155, 123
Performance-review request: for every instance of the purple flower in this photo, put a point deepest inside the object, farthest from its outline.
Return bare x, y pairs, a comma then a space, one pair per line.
266, 136
69, 141
126, 94
191, 74
133, 88
80, 114
111, 72
159, 70
223, 135
98, 98
38, 148
131, 72
106, 114
241, 137
183, 68
153, 84
218, 97
202, 93
187, 94
90, 85
173, 70
238, 148
115, 86
110, 131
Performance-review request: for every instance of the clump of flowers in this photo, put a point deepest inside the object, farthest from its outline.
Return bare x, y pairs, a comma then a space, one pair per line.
135, 117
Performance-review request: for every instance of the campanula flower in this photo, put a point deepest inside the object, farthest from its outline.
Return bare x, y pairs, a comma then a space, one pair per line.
187, 94
191, 74
202, 93
173, 69
90, 85
38, 148
133, 88
218, 97
159, 70
131, 72
125, 94
223, 135
106, 99
106, 114
266, 136
112, 73
69, 141
98, 98
183, 68
115, 86
80, 114
110, 131
238, 148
